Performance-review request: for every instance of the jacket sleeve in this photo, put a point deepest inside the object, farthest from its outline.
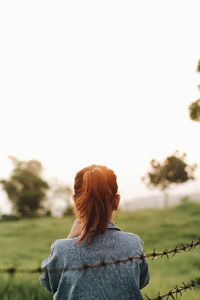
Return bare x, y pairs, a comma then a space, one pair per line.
144, 271
48, 263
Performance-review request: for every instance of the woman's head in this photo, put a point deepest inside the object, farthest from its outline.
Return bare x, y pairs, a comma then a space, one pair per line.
95, 198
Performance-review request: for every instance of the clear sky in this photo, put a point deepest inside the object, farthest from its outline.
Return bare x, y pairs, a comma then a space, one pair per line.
106, 82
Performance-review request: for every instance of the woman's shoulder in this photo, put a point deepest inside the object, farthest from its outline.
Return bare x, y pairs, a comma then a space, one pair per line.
131, 235
124, 234
125, 239
63, 243
131, 239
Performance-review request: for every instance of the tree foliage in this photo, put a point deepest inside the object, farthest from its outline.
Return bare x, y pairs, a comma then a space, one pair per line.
25, 187
65, 192
194, 110
194, 107
173, 170
198, 66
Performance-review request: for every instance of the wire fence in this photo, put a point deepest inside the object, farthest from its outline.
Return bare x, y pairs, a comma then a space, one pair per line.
177, 290
165, 253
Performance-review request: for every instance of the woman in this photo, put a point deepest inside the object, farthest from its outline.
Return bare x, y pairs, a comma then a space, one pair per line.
96, 260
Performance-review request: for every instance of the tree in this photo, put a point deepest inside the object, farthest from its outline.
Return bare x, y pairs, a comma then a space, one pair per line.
194, 107
198, 66
25, 187
194, 110
65, 192
173, 170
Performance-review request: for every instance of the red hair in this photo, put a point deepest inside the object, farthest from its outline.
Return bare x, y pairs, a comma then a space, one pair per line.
95, 190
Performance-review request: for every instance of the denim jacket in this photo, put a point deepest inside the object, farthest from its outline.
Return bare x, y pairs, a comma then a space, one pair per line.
122, 280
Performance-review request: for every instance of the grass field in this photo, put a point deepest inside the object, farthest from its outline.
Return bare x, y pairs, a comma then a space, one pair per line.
25, 243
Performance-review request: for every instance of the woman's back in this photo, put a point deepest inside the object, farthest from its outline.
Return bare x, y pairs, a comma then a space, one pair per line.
122, 280
95, 241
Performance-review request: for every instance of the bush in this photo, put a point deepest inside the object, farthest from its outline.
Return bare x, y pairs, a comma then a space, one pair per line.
185, 199
69, 211
5, 217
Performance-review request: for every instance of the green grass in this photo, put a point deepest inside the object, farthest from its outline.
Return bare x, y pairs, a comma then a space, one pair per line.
25, 243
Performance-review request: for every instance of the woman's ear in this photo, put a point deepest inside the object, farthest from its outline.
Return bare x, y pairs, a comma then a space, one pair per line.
117, 200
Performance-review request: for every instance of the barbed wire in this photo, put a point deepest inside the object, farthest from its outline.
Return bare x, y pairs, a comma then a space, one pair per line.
153, 255
177, 290
174, 251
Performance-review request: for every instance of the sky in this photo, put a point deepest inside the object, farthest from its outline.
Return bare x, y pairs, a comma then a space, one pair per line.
105, 82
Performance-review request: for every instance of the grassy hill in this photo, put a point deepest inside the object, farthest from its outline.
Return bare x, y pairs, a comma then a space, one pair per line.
25, 243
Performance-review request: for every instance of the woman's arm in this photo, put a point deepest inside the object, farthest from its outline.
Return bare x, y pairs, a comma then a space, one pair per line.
44, 277
144, 274
144, 270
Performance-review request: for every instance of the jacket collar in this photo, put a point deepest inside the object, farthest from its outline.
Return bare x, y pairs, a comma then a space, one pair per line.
111, 225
